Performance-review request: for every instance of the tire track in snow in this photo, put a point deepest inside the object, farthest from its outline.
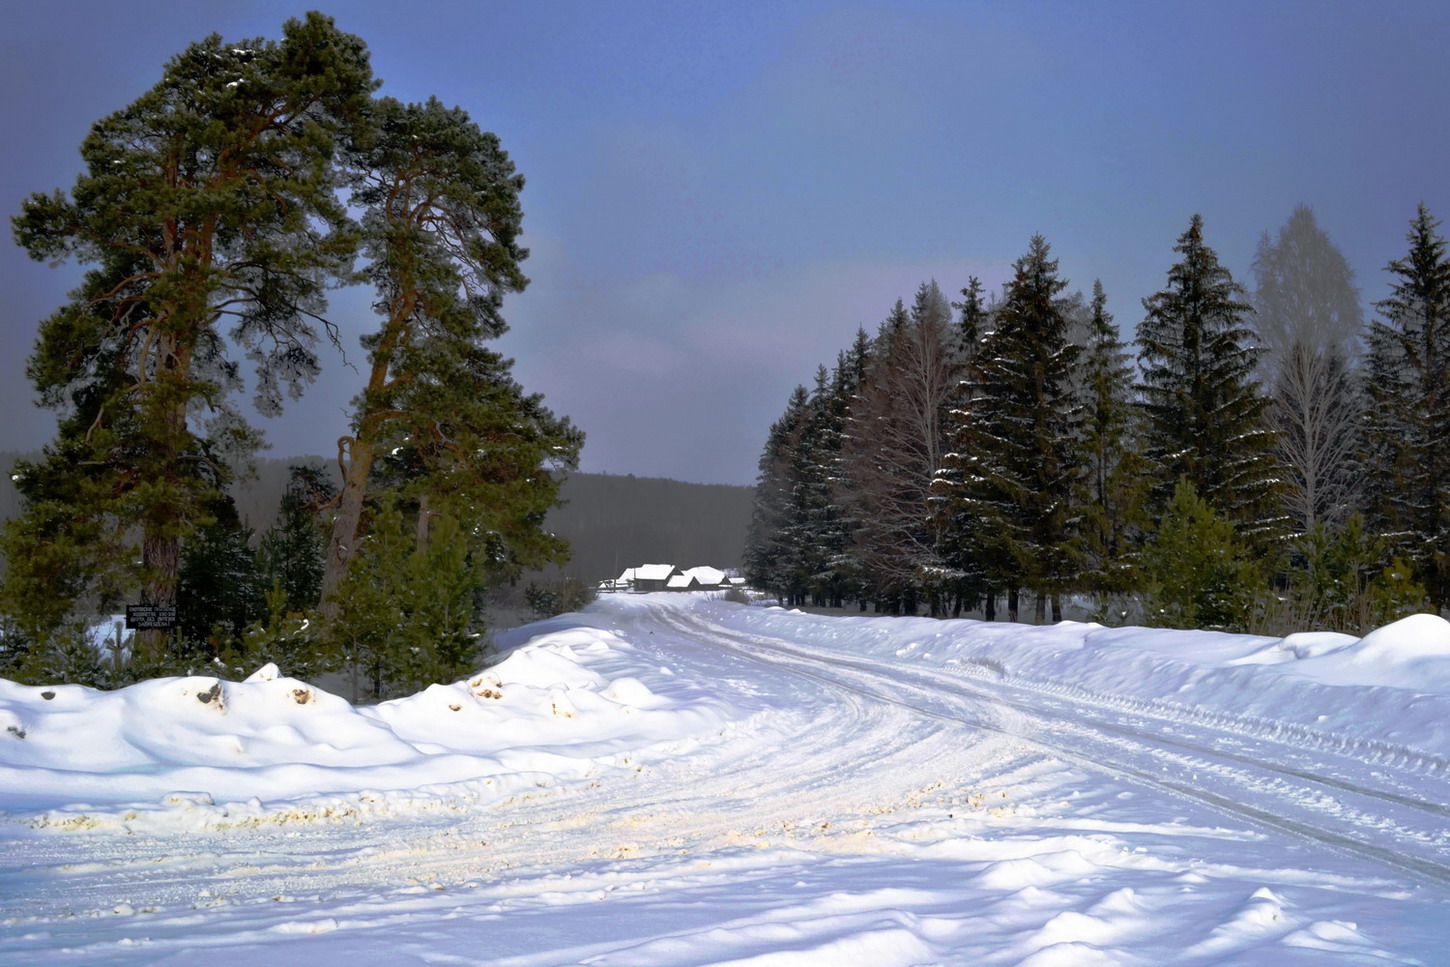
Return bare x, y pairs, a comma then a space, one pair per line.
805, 763
1405, 832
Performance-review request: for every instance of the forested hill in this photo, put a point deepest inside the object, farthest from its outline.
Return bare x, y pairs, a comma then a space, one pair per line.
610, 522
617, 522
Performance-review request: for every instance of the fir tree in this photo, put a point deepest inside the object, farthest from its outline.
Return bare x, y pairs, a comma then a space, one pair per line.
804, 555
820, 538
846, 569
1114, 483
767, 564
1200, 574
1204, 413
291, 551
1015, 445
972, 319
220, 586
1407, 381
963, 568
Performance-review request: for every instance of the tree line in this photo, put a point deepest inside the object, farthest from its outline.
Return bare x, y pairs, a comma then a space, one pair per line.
214, 214
1267, 461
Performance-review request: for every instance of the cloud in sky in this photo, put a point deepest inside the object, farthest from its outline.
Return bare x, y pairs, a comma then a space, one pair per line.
673, 372
720, 193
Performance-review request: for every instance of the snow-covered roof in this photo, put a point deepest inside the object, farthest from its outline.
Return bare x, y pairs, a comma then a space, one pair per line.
706, 575
653, 572
678, 582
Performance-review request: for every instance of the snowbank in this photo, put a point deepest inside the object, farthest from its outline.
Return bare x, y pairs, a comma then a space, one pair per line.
709, 807
1392, 686
555, 708
570, 699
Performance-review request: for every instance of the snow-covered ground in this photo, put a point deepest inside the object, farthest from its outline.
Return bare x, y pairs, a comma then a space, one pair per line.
667, 780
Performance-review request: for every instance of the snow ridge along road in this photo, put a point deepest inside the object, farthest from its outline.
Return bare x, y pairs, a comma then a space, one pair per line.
668, 780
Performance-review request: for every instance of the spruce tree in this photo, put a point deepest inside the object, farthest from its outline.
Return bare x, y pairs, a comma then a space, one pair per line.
847, 571
1203, 411
1015, 445
1200, 573
1115, 488
220, 584
804, 553
821, 539
962, 563
291, 552
209, 199
768, 566
971, 321
1407, 382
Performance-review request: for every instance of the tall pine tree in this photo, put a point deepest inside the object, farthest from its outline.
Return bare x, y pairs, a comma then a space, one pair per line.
441, 220
210, 198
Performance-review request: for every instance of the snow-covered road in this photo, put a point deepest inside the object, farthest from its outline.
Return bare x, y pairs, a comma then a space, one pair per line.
674, 781
1379, 801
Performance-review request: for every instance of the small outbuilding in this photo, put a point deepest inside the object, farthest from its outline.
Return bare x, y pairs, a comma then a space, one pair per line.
649, 577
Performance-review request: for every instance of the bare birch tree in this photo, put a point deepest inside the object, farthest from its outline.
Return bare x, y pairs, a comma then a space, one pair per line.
1308, 319
895, 443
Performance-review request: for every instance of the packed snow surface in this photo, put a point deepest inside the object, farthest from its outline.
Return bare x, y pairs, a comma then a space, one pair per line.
671, 780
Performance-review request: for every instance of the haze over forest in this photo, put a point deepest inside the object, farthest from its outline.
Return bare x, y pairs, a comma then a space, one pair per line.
610, 522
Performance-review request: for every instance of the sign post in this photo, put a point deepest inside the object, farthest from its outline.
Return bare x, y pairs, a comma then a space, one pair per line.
151, 617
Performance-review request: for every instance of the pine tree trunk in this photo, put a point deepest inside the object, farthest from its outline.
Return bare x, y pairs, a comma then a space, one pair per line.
160, 544
346, 524
420, 529
161, 561
1012, 601
1039, 609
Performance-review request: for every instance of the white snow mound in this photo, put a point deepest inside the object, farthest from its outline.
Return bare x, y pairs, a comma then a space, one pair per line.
542, 711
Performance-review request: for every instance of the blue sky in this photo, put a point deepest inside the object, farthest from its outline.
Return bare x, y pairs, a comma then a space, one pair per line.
718, 194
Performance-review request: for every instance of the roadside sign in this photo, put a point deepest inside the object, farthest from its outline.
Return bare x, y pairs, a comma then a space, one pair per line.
150, 617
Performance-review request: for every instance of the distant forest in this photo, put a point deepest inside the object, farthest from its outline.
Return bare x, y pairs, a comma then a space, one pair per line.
1270, 462
611, 522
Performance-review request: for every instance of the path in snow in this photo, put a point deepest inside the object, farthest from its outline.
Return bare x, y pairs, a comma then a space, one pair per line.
1387, 807
855, 808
